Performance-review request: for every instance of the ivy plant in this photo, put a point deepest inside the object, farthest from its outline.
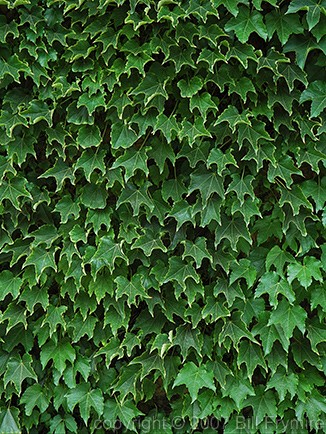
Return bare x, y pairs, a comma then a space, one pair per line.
162, 216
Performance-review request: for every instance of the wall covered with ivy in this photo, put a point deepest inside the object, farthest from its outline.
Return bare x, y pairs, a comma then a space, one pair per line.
162, 216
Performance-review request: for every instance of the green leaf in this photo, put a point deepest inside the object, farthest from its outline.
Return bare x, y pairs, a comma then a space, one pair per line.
251, 355
136, 198
232, 229
9, 423
35, 396
106, 254
86, 400
122, 136
316, 335
66, 207
131, 289
41, 259
13, 190
288, 317
152, 85
60, 171
221, 159
310, 268
273, 284
241, 186
283, 25
284, 383
17, 370
193, 130
38, 111
60, 353
191, 87
89, 135
235, 329
195, 377
132, 160
243, 269
245, 23
277, 257
9, 284
94, 196
263, 404
207, 182
12, 66
316, 93
283, 169
295, 198
197, 250
313, 8
179, 271
91, 160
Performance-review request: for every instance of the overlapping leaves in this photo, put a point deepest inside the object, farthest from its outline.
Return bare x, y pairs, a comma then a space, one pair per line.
162, 196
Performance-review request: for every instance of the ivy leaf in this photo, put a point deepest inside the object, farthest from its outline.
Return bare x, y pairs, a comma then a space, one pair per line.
152, 85
191, 87
195, 377
238, 388
12, 66
207, 182
302, 46
9, 423
291, 73
122, 136
88, 136
149, 242
251, 355
60, 171
310, 268
66, 207
295, 198
221, 159
9, 284
313, 8
284, 383
179, 271
93, 196
17, 370
132, 160
193, 130
277, 257
283, 169
316, 335
273, 284
131, 289
167, 125
263, 404
241, 186
197, 250
233, 229
245, 23
41, 259
106, 254
135, 197
35, 396
252, 134
91, 160
316, 93
283, 25
288, 317
235, 329
59, 353
243, 269
86, 400
13, 189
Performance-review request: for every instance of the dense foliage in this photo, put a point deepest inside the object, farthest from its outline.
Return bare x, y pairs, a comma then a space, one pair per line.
162, 196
